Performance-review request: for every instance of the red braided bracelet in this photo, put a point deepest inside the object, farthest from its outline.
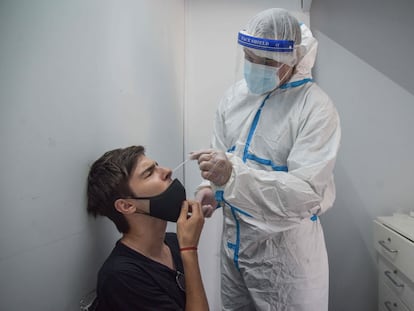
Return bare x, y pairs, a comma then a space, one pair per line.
190, 248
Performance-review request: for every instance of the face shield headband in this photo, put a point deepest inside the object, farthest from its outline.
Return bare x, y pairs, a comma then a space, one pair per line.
264, 44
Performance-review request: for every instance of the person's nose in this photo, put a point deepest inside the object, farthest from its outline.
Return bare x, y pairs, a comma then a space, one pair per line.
165, 172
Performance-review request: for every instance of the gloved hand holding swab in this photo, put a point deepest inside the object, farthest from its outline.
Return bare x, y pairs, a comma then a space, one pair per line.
214, 165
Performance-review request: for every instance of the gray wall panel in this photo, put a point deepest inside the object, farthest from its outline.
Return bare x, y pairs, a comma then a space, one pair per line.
378, 31
77, 78
365, 67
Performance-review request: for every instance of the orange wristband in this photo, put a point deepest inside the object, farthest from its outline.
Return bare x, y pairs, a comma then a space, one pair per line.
190, 248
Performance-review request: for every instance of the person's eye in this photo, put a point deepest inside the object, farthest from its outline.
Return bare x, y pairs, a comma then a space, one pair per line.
149, 172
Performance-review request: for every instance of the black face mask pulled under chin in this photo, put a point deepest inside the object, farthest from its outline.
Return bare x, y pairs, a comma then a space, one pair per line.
167, 205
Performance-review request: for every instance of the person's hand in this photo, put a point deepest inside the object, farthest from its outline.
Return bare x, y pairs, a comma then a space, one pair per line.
189, 224
214, 165
208, 202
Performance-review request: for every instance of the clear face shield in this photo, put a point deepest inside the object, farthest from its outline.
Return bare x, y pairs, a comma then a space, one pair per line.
264, 64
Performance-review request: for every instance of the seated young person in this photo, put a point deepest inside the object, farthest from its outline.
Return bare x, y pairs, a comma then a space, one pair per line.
148, 269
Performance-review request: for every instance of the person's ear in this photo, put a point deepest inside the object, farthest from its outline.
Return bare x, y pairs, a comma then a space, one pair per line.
125, 206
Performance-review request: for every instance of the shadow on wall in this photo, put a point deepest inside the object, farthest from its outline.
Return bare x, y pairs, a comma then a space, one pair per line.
353, 271
103, 236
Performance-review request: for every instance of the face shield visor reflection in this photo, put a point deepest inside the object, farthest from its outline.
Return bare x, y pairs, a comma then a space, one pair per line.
260, 61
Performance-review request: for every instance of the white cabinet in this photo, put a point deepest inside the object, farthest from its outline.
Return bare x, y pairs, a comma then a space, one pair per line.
394, 243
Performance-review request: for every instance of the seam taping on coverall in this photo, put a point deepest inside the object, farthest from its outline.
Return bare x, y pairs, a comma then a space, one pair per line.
234, 246
219, 195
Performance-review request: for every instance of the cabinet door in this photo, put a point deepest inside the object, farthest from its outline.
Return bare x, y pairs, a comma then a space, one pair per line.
396, 281
395, 248
388, 301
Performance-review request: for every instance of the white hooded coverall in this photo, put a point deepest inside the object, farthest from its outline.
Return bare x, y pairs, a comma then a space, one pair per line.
283, 148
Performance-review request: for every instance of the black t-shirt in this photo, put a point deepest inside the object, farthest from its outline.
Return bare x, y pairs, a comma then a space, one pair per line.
130, 281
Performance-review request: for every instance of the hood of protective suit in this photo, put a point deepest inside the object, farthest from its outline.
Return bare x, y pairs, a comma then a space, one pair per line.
306, 54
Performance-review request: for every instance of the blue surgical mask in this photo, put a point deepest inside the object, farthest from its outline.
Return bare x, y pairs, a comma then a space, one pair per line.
260, 79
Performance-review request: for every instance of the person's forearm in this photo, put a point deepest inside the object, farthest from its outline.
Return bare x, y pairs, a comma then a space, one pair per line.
196, 299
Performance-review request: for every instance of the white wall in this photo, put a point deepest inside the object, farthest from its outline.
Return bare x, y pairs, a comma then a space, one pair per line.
211, 49
77, 78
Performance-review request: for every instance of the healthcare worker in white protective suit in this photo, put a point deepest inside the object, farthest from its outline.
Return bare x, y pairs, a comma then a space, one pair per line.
281, 135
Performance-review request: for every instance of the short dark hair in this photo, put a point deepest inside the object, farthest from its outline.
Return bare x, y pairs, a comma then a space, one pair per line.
108, 181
